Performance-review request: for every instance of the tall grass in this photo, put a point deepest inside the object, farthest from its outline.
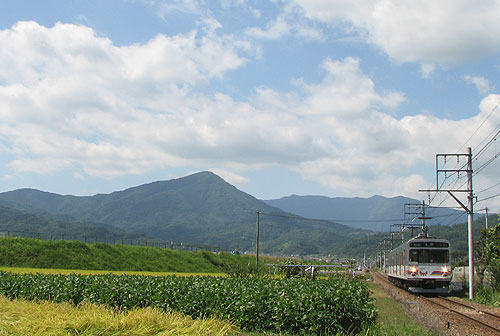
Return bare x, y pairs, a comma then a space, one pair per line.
393, 319
486, 295
20, 317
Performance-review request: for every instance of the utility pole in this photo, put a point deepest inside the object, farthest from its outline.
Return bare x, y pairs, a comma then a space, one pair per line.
469, 208
419, 215
487, 226
470, 221
257, 239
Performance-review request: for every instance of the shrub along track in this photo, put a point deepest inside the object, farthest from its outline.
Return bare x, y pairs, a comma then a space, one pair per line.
445, 318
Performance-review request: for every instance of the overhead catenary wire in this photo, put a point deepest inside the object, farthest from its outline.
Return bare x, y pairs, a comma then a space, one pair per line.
487, 163
480, 125
487, 198
454, 220
489, 188
488, 144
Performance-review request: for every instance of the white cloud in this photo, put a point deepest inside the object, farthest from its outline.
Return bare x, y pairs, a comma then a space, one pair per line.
346, 91
274, 30
284, 25
231, 177
434, 32
70, 100
482, 84
70, 96
427, 70
165, 7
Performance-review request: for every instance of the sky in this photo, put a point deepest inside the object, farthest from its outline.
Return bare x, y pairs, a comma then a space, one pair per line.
309, 97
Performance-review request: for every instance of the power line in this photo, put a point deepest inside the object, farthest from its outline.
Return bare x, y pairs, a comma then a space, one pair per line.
453, 221
488, 144
477, 129
487, 198
487, 163
493, 186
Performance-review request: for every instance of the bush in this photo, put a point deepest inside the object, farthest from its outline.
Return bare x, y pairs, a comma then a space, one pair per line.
255, 304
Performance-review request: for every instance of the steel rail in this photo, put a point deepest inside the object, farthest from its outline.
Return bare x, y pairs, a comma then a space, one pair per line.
461, 314
470, 307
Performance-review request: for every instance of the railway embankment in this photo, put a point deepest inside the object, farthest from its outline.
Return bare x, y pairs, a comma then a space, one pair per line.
442, 318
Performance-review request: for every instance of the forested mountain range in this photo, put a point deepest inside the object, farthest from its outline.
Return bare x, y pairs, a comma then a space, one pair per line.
376, 213
204, 209
14, 222
200, 208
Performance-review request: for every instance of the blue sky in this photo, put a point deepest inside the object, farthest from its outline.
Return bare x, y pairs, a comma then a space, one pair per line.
336, 98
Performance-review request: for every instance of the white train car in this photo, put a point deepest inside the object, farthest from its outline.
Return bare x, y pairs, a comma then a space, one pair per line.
421, 265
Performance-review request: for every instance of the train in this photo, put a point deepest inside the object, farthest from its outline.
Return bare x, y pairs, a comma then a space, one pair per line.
421, 265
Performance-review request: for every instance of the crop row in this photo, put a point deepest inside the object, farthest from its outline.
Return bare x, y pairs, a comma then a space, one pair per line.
291, 306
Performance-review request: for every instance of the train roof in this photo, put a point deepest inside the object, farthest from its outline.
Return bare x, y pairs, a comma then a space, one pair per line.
419, 238
423, 237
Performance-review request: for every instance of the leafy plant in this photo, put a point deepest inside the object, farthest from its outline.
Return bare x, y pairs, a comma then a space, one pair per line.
255, 304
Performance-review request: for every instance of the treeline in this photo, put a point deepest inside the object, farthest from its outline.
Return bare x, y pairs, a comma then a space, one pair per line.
456, 234
38, 253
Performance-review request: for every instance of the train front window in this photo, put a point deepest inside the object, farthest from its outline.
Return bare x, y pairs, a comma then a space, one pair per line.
427, 256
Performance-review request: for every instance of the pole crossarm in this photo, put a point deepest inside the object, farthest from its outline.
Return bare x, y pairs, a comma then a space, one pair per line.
454, 171
443, 190
459, 202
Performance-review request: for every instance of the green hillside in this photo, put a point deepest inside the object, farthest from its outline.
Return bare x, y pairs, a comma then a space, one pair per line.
21, 223
199, 209
38, 253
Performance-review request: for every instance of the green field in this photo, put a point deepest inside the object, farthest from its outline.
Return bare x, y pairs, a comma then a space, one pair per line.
32, 270
130, 290
293, 306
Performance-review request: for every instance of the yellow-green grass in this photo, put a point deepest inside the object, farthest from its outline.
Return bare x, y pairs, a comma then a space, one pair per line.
19, 317
393, 319
25, 270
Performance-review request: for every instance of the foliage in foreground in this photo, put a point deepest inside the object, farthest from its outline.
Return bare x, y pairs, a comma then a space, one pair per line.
393, 319
486, 295
21, 317
492, 254
258, 304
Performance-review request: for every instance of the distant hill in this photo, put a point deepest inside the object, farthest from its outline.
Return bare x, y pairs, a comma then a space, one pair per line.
15, 222
199, 208
376, 213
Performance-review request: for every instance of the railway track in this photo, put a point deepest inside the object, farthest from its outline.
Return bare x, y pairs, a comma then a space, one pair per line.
485, 319
482, 319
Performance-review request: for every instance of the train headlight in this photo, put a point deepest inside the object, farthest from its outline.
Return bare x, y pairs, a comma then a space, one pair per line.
413, 270
445, 271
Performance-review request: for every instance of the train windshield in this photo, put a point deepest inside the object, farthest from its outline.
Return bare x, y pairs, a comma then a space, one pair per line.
428, 256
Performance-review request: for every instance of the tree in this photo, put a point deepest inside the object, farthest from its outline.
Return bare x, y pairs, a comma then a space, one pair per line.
491, 257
